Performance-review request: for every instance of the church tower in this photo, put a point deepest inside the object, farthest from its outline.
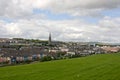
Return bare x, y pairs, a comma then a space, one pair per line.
49, 42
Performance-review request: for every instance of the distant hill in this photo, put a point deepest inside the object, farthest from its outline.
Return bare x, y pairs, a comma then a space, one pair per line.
103, 43
95, 67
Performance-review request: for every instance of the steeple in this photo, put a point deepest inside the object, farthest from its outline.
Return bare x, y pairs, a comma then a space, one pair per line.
49, 42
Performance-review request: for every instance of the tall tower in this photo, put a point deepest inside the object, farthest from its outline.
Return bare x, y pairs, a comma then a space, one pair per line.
49, 42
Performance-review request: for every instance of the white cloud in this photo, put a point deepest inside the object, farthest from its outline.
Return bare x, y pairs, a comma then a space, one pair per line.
107, 29
29, 25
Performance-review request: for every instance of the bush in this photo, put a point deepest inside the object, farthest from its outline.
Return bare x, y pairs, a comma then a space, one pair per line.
46, 58
28, 61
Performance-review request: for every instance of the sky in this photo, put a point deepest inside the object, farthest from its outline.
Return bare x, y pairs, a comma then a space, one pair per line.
66, 20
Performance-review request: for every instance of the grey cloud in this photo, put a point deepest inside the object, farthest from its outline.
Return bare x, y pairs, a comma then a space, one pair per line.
14, 9
82, 7
24, 8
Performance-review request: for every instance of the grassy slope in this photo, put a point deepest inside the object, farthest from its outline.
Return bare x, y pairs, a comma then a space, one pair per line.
96, 67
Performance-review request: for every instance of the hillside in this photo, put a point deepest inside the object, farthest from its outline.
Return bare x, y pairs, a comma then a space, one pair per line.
95, 67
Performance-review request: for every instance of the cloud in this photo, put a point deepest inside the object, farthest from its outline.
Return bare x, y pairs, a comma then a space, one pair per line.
79, 7
15, 8
26, 24
24, 8
106, 30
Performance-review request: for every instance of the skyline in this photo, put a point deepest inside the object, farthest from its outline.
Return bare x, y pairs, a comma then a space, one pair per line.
66, 20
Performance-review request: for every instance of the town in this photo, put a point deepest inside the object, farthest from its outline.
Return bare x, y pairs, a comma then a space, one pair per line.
18, 50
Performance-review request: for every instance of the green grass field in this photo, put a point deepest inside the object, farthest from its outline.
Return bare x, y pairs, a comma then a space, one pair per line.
95, 67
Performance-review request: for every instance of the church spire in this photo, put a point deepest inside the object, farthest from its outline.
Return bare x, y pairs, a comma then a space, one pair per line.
49, 42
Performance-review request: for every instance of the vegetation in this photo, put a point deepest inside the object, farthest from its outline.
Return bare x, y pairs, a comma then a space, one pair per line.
46, 58
94, 67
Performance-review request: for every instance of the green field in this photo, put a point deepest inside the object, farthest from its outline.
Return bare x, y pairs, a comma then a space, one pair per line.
95, 67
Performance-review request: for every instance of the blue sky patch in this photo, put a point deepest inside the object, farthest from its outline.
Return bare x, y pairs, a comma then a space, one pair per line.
53, 16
